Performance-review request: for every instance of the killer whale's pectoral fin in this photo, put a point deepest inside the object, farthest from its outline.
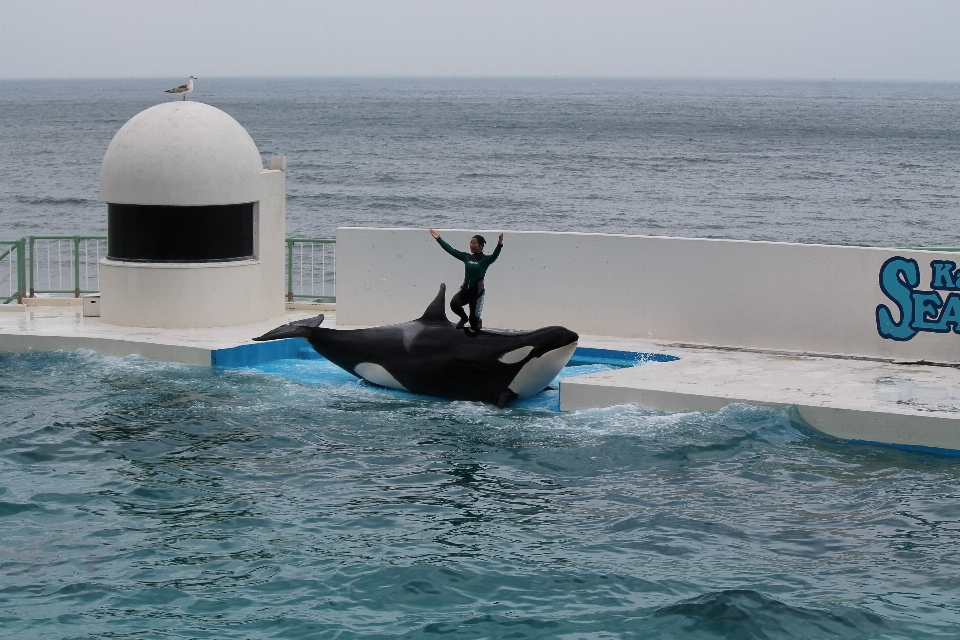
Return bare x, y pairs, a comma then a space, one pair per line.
437, 311
298, 329
505, 396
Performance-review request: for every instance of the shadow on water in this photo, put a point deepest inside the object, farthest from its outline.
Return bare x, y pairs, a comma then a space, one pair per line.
741, 614
750, 615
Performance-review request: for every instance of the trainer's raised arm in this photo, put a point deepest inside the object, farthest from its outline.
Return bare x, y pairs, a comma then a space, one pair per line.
436, 236
500, 241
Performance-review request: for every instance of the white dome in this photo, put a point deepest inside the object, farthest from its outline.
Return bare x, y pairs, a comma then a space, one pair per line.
182, 154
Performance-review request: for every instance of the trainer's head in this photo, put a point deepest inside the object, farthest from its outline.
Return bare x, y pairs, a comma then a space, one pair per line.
476, 244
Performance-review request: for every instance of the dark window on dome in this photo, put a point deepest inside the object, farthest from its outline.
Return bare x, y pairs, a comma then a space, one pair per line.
146, 233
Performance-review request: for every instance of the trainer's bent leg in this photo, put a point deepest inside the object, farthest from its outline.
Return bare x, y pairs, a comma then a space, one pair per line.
476, 308
456, 305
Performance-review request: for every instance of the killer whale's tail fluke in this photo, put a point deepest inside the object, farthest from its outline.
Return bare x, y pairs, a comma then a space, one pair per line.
437, 310
298, 329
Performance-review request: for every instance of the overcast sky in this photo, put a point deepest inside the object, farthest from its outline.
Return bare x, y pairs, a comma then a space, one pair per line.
875, 39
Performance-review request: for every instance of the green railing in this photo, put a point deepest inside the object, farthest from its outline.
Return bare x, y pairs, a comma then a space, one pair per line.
58, 265
50, 257
314, 262
13, 270
311, 266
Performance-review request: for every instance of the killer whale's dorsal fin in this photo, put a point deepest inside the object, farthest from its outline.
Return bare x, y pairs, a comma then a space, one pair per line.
437, 310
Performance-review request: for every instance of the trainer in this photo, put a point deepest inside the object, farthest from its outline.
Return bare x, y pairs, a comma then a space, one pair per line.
475, 266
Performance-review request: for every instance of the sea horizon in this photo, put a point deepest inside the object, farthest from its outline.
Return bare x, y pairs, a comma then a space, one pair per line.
838, 162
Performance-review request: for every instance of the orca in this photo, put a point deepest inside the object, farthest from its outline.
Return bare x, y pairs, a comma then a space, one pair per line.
431, 356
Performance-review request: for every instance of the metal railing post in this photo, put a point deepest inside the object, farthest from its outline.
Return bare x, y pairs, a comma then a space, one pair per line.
8, 254
76, 266
289, 269
30, 242
21, 268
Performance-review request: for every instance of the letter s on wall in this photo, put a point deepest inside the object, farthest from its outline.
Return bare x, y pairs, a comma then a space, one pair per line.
898, 290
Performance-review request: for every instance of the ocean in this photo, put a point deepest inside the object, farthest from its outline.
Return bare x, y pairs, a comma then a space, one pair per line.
823, 162
142, 499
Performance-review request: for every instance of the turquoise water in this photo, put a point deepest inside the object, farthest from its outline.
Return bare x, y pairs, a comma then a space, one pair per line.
152, 500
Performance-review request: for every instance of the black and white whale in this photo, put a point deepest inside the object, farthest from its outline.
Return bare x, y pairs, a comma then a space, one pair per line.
431, 356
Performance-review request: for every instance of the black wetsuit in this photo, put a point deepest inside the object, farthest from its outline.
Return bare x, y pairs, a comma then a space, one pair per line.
471, 291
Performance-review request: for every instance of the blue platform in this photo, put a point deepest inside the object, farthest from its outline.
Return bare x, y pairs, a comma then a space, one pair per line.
287, 358
249, 355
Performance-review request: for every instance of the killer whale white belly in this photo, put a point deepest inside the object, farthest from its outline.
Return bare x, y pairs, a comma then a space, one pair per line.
539, 372
376, 374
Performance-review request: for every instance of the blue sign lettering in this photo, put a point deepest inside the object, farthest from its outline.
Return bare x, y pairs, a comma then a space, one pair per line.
926, 305
918, 310
951, 313
944, 275
898, 290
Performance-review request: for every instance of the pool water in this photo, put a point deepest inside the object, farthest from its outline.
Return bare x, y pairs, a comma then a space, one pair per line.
155, 500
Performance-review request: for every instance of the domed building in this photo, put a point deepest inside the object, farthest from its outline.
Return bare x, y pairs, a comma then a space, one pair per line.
195, 225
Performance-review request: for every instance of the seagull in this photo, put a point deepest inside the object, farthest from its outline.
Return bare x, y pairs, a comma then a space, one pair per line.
183, 89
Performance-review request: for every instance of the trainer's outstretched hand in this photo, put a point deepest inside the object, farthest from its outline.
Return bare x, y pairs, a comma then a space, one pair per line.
436, 236
500, 241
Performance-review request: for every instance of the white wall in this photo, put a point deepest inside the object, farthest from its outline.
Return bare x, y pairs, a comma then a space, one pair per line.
811, 298
272, 243
210, 294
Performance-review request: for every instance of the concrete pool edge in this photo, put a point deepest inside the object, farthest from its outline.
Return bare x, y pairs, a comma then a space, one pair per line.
856, 400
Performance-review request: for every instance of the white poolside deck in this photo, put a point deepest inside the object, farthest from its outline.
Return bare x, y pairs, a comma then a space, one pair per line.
878, 401
52, 328
858, 399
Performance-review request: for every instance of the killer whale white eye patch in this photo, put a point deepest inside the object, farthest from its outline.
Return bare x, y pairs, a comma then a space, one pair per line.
378, 375
511, 357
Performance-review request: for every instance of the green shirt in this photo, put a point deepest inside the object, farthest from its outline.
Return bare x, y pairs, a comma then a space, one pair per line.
475, 264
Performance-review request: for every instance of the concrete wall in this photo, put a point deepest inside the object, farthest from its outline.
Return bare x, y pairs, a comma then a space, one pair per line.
272, 243
808, 298
209, 294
